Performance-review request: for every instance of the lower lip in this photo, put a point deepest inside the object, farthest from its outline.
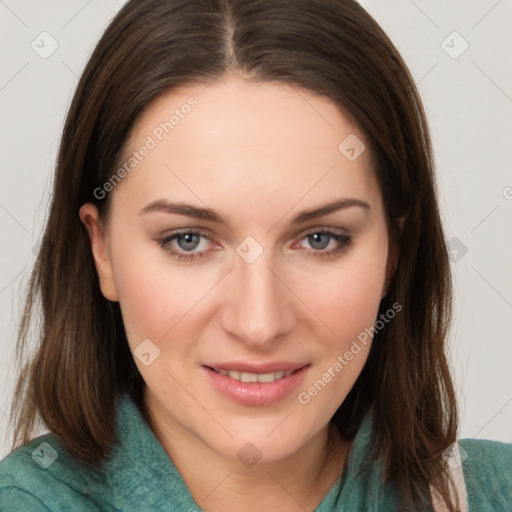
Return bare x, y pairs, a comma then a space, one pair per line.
256, 393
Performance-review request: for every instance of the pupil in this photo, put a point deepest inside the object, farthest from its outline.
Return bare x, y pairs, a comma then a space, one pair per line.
190, 241
317, 237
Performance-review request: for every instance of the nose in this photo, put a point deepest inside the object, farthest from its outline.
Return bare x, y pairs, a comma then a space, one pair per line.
258, 307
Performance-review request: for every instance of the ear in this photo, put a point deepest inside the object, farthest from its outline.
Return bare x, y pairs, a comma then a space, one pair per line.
392, 262
88, 214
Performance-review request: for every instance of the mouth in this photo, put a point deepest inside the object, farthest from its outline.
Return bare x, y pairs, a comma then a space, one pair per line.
255, 377
256, 385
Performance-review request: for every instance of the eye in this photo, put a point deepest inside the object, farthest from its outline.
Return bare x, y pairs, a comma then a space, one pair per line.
190, 244
181, 244
321, 239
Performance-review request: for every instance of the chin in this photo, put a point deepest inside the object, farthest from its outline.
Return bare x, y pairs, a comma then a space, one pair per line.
261, 444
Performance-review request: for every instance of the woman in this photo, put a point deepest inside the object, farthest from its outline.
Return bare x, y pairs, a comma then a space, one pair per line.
244, 280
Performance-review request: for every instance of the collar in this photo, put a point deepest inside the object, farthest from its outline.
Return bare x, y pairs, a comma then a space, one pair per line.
141, 472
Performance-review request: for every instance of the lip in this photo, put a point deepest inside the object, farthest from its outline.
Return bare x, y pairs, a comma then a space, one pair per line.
274, 366
256, 393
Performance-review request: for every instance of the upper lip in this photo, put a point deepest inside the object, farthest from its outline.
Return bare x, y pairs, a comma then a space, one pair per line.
257, 368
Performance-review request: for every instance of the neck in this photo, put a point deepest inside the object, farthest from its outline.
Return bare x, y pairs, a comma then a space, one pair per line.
217, 483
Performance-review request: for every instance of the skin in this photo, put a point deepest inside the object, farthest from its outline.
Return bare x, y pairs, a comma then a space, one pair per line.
258, 153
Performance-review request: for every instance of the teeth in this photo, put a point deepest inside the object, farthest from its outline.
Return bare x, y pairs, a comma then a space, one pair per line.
255, 377
247, 377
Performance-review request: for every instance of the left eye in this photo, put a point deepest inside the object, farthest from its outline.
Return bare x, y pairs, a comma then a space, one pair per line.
319, 241
182, 244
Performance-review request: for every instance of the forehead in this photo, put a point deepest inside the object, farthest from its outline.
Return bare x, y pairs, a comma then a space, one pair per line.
245, 137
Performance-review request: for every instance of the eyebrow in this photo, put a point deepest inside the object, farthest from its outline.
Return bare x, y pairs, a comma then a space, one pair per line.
207, 214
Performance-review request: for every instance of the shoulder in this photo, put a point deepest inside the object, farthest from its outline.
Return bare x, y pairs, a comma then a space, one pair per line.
40, 476
487, 469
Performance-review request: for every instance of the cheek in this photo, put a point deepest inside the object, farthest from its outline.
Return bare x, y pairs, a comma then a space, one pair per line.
346, 295
158, 304
154, 297
349, 308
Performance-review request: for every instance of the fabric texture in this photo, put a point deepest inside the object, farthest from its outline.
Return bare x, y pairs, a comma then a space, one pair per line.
139, 476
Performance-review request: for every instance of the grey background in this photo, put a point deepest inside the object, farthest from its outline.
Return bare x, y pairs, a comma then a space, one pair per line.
468, 99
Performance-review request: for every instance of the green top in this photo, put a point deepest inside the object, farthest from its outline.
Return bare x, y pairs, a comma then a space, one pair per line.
139, 476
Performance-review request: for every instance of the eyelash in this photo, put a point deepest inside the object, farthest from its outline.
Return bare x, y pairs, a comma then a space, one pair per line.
344, 242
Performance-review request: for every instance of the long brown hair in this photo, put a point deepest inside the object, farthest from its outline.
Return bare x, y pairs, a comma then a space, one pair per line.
82, 361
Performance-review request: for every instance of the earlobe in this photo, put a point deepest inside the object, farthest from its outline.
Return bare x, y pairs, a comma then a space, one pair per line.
88, 214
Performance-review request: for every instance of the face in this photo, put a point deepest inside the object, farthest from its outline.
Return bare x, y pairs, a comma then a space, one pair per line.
239, 303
